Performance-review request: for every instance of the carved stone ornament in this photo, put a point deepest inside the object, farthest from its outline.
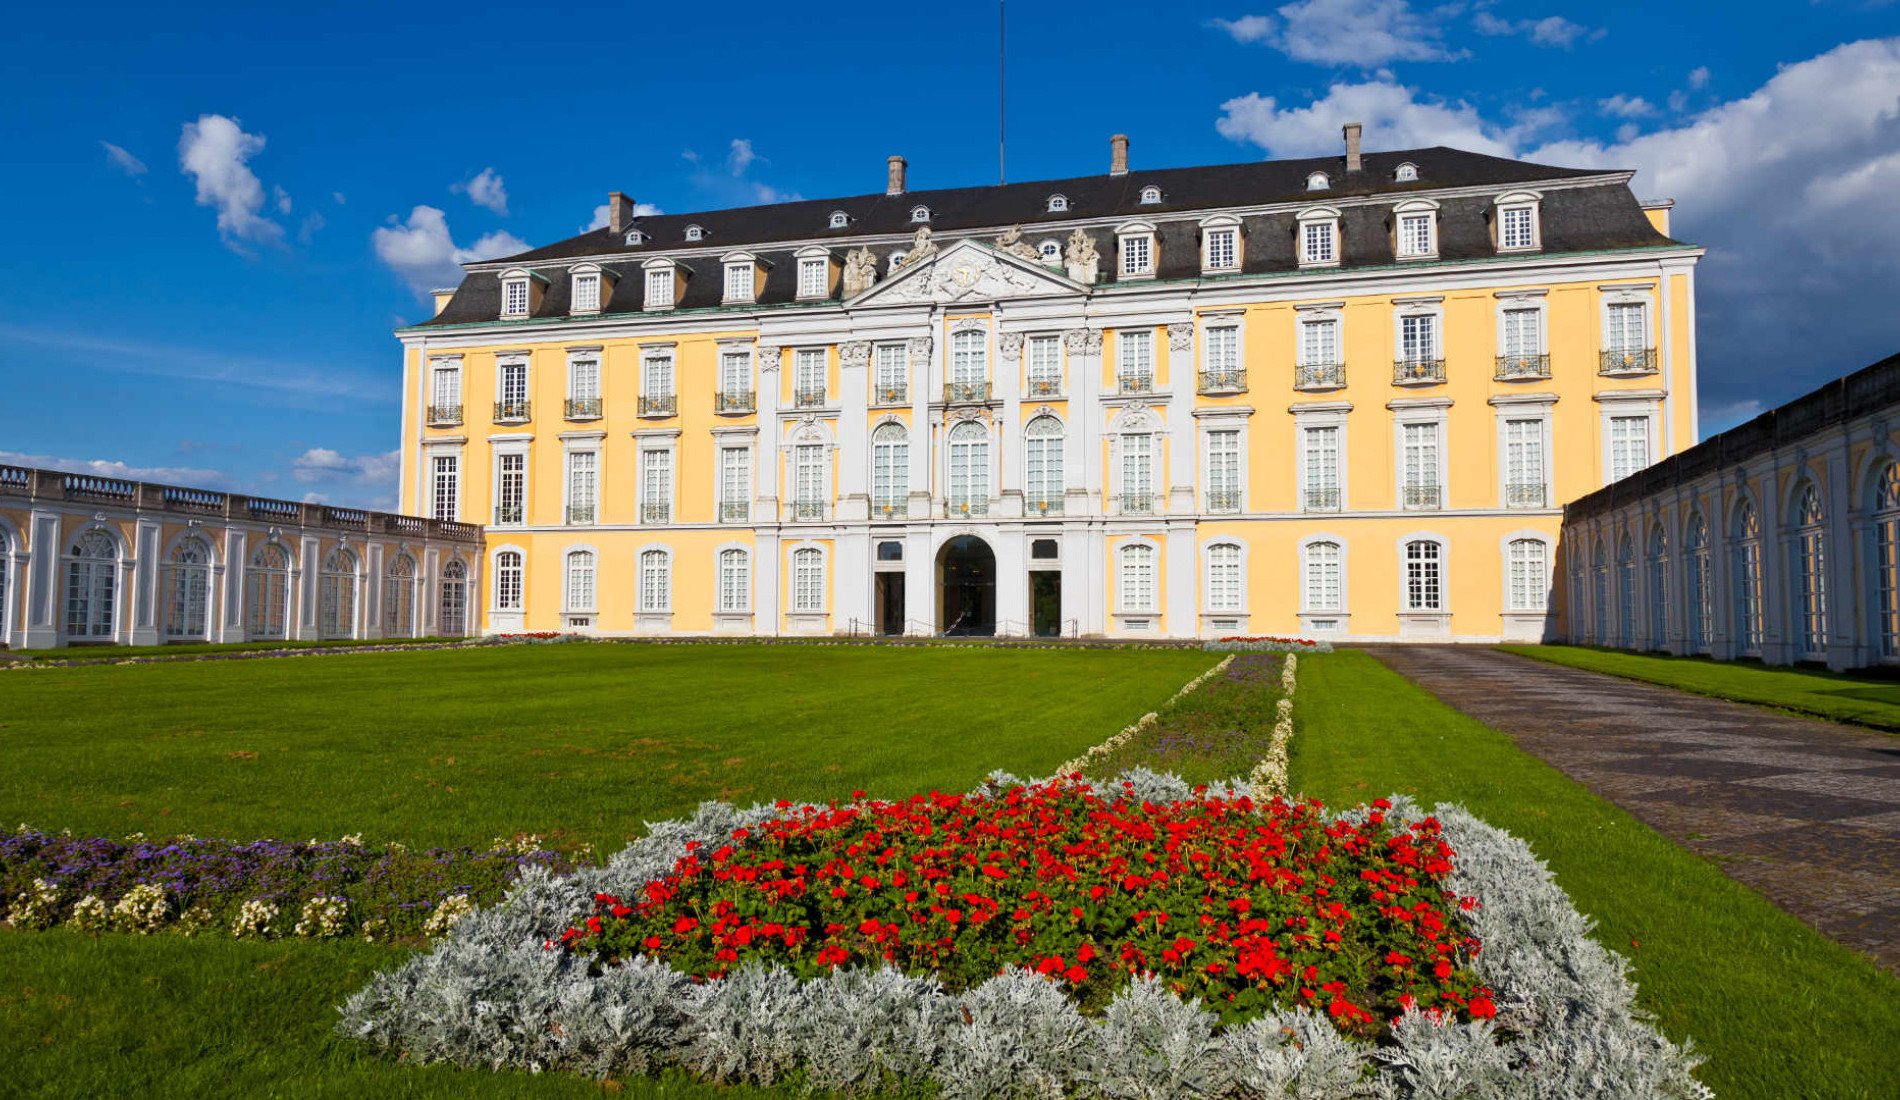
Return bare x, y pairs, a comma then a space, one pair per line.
967, 274
860, 271
1181, 337
966, 413
769, 357
970, 324
1081, 259
854, 353
1010, 345
919, 347
1012, 242
921, 248
1043, 410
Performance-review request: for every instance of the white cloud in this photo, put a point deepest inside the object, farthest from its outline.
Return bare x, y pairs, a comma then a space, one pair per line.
1623, 106
1699, 77
122, 160
338, 196
1552, 30
603, 212
487, 190
1395, 117
214, 151
1248, 29
107, 467
424, 254
1361, 33
312, 222
298, 384
741, 156
324, 464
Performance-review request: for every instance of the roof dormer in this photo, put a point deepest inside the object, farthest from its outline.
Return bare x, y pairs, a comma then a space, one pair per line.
1405, 173
1150, 195
744, 277
1058, 204
1318, 181
817, 272
590, 286
839, 220
664, 279
521, 292
637, 237
920, 214
695, 233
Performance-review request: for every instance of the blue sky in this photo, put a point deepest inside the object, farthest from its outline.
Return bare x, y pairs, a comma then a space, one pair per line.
216, 218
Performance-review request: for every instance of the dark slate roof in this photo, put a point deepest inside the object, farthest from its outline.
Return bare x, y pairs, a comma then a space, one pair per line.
1590, 218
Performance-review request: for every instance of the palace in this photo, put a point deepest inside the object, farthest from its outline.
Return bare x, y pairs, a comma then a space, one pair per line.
1343, 396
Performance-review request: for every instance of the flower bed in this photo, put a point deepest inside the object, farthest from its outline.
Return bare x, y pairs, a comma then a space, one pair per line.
1266, 644
264, 888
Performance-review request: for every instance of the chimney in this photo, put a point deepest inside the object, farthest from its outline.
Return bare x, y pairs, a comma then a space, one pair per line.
619, 211
894, 182
1118, 155
1352, 146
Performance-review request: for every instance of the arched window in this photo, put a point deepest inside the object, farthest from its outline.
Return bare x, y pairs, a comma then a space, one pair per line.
580, 580
1322, 586
399, 597
1137, 577
336, 594
1695, 542
1747, 564
808, 579
1600, 604
1058, 203
452, 620
1318, 181
735, 580
890, 469
186, 583
1051, 253
898, 257
508, 580
920, 213
267, 592
656, 581
1810, 554
970, 357
1626, 592
1527, 563
92, 585
1405, 173
1658, 587
1225, 585
1424, 576
839, 219
969, 468
1150, 195
1042, 465
1887, 556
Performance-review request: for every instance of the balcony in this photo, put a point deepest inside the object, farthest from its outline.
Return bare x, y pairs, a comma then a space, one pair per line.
658, 404
507, 514
1138, 382
1419, 496
444, 416
892, 393
1321, 499
580, 514
808, 509
1525, 494
1517, 368
957, 507
1042, 506
1045, 387
1418, 372
1223, 381
808, 397
1626, 362
1319, 376
887, 509
1223, 500
734, 401
965, 392
511, 412
582, 408
734, 511
657, 511
1136, 504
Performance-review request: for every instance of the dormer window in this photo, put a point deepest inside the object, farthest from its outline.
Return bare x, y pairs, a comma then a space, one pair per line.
1220, 243
742, 278
1150, 195
1415, 230
920, 213
1051, 253
520, 292
635, 236
1136, 245
589, 289
814, 273
897, 259
695, 233
1516, 226
840, 219
1318, 181
662, 284
1405, 173
1058, 204
1319, 237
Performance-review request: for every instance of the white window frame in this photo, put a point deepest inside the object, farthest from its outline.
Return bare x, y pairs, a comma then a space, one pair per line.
1433, 308
660, 285
1222, 227
1050, 252
1315, 415
1150, 195
1133, 264
1232, 323
1431, 411
1405, 173
1519, 201
1528, 406
445, 482
695, 233
814, 274
740, 440
919, 215
506, 365
445, 382
662, 451
578, 362
512, 449
1325, 219
1126, 340
720, 604
1058, 204
838, 220
1055, 460
1320, 313
1243, 589
1614, 405
568, 604
1153, 602
798, 604
739, 269
980, 491
1412, 211
1044, 358
511, 286
895, 501
1443, 560
1206, 427
579, 279
1307, 610
497, 593
568, 499
646, 605
1509, 594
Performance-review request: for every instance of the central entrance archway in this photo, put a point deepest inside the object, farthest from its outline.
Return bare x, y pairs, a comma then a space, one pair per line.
966, 587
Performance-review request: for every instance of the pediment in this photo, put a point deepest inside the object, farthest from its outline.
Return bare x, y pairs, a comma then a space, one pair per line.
968, 271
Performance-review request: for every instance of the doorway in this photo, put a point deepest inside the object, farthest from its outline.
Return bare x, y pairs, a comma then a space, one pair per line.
890, 603
1045, 603
966, 584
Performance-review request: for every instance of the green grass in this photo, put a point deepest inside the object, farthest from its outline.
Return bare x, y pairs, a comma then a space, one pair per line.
586, 742
183, 649
1779, 1009
1835, 696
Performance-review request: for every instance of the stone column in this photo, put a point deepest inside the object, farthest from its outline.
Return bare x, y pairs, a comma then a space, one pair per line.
310, 561
767, 564
1082, 446
765, 464
1012, 582
372, 600
1844, 610
1182, 380
236, 553
854, 384
920, 582
1009, 376
41, 598
143, 604
1183, 604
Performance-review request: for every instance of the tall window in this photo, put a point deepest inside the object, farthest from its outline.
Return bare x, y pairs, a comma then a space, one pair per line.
1138, 256
735, 381
508, 586
656, 581
660, 288
969, 358
890, 469
399, 597
808, 480
1524, 476
1223, 249
1319, 342
445, 394
267, 592
808, 580
1322, 586
1887, 557
1045, 366
1319, 242
187, 588
1138, 577
580, 580
583, 386
1042, 465
1626, 592
808, 377
1811, 572
1424, 589
1418, 337
452, 617
1521, 344
656, 486
1528, 574
336, 594
582, 486
514, 298
656, 383
1319, 456
1224, 582
1701, 609
1747, 564
1517, 227
1223, 470
739, 281
513, 397
92, 585
969, 446
893, 375
1624, 327
1419, 465
511, 488
587, 293
1137, 473
811, 277
1629, 445
1137, 368
446, 487
735, 484
1220, 358
1415, 235
735, 580
1658, 587
1600, 592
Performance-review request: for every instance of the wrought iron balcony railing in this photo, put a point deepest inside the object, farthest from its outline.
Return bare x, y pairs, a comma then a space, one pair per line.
1223, 381
1137, 382
808, 509
1322, 498
1223, 500
580, 513
658, 404
444, 416
890, 393
1319, 376
1627, 361
734, 511
1416, 372
656, 511
1513, 367
1043, 506
511, 412
1045, 387
954, 392
582, 408
808, 397
958, 506
1420, 496
733, 401
1525, 494
508, 513
887, 509
1137, 504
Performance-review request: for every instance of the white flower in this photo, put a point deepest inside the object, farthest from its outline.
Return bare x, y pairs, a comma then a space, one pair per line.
143, 908
323, 917
91, 914
254, 919
448, 913
37, 908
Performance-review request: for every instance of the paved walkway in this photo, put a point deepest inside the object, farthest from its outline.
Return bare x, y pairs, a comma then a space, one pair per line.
1805, 811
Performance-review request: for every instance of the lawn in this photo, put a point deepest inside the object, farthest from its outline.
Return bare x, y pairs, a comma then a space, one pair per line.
106, 653
1861, 700
1780, 1010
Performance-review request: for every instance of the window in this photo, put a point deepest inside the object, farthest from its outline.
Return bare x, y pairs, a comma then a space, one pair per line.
1405, 173
892, 375
1136, 371
508, 580
512, 400
1423, 577
267, 592
1137, 492
399, 597
336, 595
587, 292
1220, 359
808, 580
1701, 606
1524, 477
656, 486
735, 382
452, 617
92, 585
1137, 577
1416, 236
511, 488
1051, 253
808, 480
1419, 465
839, 219
735, 484
969, 462
1319, 455
1058, 203
735, 581
740, 278
656, 581
1323, 588
1225, 587
1600, 588
1321, 360
808, 377
1527, 574
1042, 465
445, 393
1150, 194
1626, 592
969, 357
1045, 366
1138, 256
187, 588
1418, 337
1658, 587
1811, 573
898, 257
1626, 345
444, 486
583, 387
890, 469
1319, 241
920, 213
1045, 550
893, 551
1887, 557
580, 580
1517, 227
1223, 470
1748, 579
695, 233
660, 288
1521, 344
581, 487
1629, 445
811, 277
1223, 249
514, 298
1318, 181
